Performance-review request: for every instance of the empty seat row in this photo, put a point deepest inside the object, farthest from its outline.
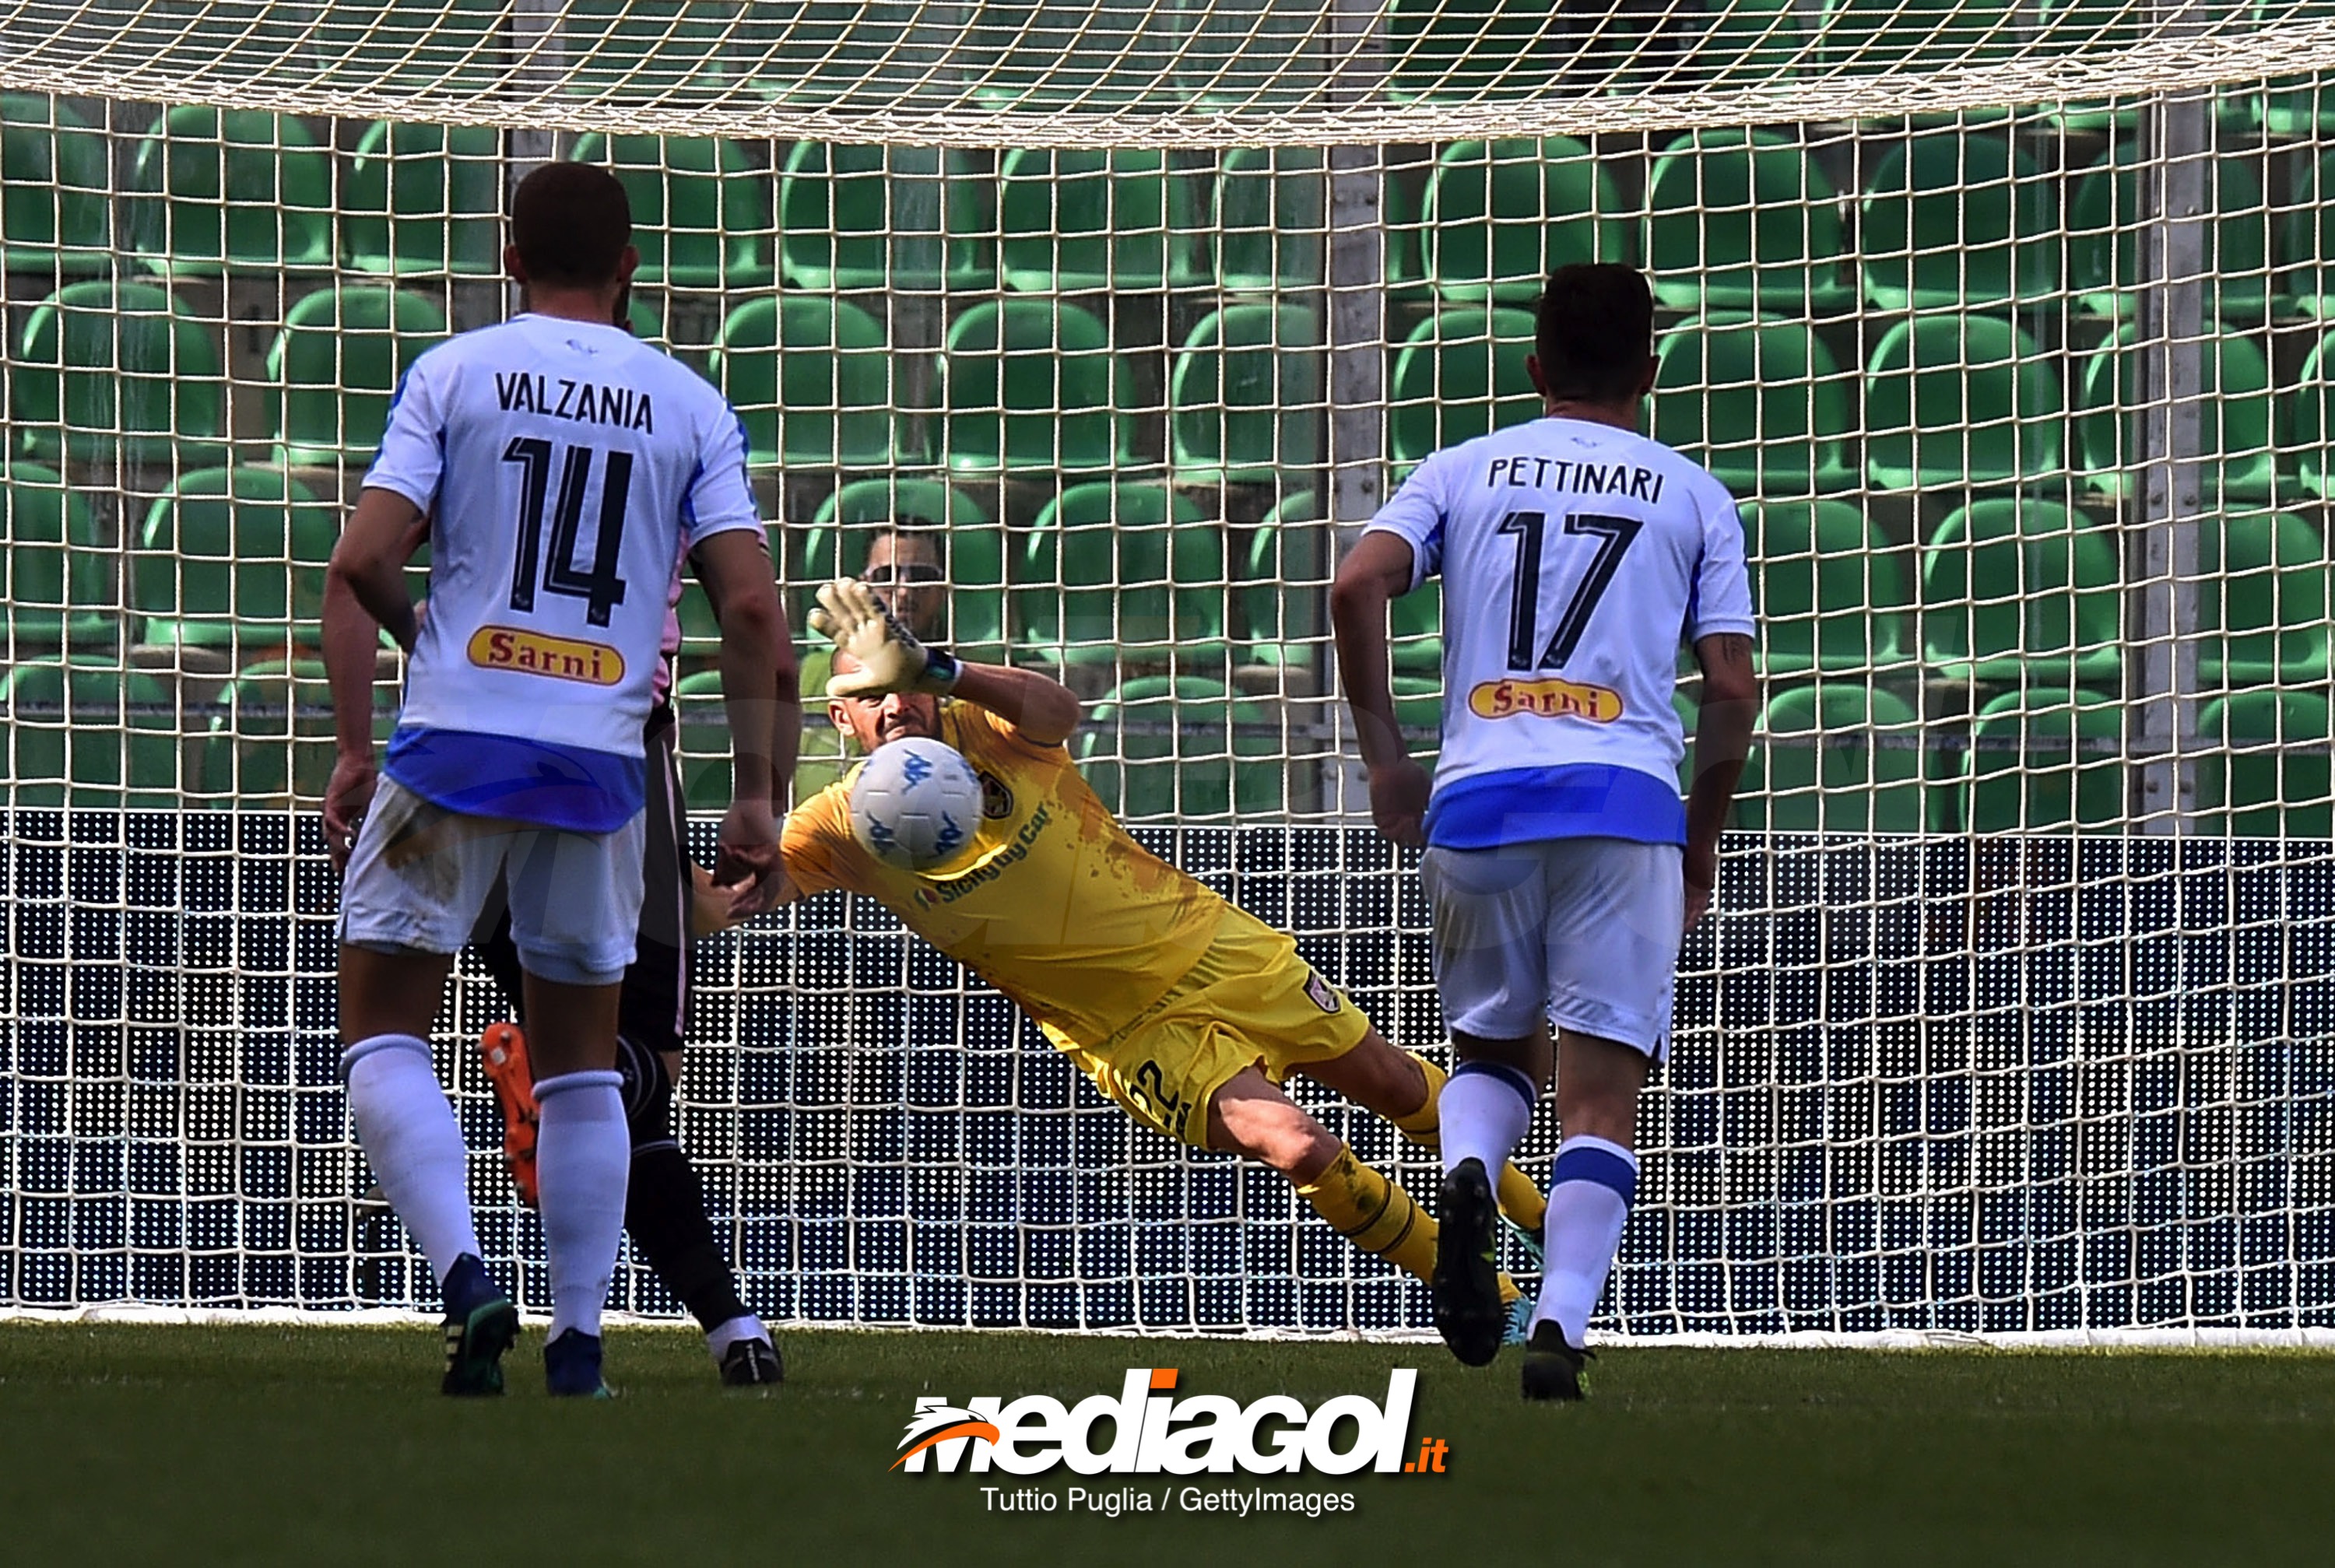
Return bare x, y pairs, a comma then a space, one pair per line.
1840, 758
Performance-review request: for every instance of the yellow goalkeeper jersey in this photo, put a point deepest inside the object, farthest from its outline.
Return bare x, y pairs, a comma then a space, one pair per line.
1058, 907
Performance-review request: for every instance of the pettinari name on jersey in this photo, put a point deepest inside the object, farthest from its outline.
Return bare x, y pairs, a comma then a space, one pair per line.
1549, 698
534, 654
1525, 470
620, 406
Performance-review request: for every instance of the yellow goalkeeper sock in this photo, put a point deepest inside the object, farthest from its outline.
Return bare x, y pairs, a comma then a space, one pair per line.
1374, 1213
1519, 1199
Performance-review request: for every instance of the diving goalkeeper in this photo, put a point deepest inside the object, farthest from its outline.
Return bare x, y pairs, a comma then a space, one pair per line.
1186, 1011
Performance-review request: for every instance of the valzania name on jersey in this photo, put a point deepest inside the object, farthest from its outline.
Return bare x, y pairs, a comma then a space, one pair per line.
622, 407
1146, 1431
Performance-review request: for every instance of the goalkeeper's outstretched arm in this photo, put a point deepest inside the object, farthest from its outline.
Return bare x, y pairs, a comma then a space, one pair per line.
1041, 710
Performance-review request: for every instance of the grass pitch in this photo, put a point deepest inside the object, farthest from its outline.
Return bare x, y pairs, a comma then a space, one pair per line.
129, 1444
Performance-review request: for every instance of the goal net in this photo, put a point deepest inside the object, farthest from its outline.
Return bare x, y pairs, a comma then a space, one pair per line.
2003, 322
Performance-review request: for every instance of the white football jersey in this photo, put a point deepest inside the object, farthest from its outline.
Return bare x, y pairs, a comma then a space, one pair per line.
1574, 558
566, 466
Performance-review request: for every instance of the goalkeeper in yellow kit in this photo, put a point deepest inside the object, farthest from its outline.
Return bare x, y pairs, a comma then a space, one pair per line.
1186, 1011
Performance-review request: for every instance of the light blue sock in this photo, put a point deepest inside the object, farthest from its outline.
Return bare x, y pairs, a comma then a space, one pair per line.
582, 1152
413, 1144
1590, 1189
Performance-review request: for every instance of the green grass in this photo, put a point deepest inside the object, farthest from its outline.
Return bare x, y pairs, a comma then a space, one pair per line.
124, 1444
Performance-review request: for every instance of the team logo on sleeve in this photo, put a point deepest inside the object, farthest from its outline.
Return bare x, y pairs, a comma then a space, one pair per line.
1545, 699
996, 800
535, 654
1320, 992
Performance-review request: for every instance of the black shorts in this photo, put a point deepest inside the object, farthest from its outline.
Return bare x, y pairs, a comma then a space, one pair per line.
657, 986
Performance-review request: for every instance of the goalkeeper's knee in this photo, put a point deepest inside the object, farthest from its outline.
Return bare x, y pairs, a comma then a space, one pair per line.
648, 1088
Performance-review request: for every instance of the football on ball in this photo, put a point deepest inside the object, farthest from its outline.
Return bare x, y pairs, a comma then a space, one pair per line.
916, 805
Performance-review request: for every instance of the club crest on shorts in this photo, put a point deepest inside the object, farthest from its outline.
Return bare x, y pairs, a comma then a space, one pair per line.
1320, 991
996, 800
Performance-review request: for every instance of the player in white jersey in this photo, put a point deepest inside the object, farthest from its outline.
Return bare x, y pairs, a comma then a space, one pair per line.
561, 465
1561, 867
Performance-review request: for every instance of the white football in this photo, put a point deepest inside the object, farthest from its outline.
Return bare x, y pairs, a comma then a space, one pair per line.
916, 805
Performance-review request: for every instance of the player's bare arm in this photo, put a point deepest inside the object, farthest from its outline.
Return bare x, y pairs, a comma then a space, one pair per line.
1722, 740
877, 654
1375, 571
385, 531
735, 569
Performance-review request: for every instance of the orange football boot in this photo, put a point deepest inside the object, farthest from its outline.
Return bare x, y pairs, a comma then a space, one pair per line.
503, 1049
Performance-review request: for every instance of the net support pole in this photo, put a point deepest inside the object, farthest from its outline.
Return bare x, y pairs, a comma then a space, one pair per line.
2176, 180
538, 60
1356, 276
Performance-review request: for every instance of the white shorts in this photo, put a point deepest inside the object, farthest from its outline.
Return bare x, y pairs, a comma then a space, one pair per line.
420, 874
1582, 931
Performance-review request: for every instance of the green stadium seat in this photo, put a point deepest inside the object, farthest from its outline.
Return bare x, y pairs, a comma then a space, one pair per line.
2294, 107
908, 220
1445, 50
1740, 43
90, 734
424, 200
703, 737
2072, 23
56, 571
1415, 631
1744, 221
1832, 596
1272, 219
233, 559
639, 51
1962, 399
2104, 236
2045, 763
271, 747
367, 44
1868, 36
1835, 758
2025, 593
1277, 595
55, 179
1032, 384
974, 552
1501, 216
1955, 222
2262, 601
2238, 451
335, 367
1245, 402
701, 209
1076, 220
1403, 235
1459, 375
108, 370
1761, 404
230, 191
2307, 243
1122, 573
1419, 713
1181, 747
2265, 775
2314, 420
812, 380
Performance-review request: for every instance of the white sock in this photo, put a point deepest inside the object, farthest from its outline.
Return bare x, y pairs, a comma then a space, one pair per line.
1589, 1194
718, 1338
582, 1152
1485, 1110
413, 1144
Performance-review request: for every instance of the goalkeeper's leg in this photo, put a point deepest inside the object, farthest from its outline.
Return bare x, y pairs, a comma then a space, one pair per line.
1407, 1090
1250, 1116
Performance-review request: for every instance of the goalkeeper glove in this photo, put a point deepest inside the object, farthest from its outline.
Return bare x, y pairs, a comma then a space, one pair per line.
853, 617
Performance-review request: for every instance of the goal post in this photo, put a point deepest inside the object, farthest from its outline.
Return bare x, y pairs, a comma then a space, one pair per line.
2006, 324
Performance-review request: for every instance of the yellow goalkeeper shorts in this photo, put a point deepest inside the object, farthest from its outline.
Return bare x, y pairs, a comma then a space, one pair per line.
1249, 1001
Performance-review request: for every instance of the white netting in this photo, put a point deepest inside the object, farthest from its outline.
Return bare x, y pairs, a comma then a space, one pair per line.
2028, 406
1228, 73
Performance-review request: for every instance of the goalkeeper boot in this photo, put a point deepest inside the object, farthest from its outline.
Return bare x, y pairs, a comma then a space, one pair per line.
480, 1324
752, 1364
1553, 1368
1469, 1312
503, 1049
571, 1367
